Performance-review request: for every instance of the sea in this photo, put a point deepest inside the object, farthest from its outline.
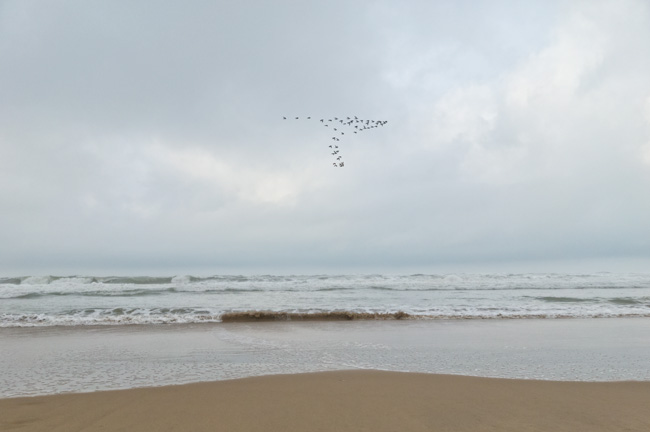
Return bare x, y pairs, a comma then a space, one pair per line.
86, 333
92, 300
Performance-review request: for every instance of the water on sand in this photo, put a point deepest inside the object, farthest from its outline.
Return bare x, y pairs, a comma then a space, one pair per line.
88, 358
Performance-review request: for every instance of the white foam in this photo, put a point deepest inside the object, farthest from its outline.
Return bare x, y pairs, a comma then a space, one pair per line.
36, 280
452, 278
181, 279
73, 280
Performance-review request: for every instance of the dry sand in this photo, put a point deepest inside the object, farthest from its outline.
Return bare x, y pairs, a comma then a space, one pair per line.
343, 401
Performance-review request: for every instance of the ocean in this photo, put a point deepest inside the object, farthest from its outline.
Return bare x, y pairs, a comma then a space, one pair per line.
85, 333
89, 300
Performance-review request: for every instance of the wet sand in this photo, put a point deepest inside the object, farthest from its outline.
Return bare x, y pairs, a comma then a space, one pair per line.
343, 401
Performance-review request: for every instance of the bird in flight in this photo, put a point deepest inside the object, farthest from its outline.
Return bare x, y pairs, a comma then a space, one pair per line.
356, 124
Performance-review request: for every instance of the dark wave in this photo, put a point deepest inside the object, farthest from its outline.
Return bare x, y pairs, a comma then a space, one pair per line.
629, 301
11, 281
333, 289
123, 293
269, 316
27, 296
254, 316
235, 290
552, 299
616, 300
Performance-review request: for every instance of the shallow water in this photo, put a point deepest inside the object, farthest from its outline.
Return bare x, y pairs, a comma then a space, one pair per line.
80, 359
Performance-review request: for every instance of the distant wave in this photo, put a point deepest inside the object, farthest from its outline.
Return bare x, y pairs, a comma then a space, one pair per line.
616, 300
98, 293
133, 292
630, 301
552, 299
377, 282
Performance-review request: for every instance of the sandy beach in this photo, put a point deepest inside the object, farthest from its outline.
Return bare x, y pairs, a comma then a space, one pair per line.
343, 401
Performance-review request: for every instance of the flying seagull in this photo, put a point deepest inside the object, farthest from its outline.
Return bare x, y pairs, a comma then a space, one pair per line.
355, 124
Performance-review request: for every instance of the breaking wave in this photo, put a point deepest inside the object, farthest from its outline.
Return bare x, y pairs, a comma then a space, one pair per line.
98, 300
137, 316
252, 316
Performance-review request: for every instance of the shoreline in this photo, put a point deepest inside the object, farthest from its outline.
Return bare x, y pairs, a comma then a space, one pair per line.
263, 316
343, 400
55, 360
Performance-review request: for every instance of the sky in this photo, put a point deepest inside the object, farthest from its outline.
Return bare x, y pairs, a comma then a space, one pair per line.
147, 137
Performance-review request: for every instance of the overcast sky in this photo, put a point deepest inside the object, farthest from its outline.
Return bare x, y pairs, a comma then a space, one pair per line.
147, 136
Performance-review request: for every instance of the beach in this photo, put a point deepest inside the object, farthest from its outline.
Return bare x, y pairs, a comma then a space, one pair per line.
84, 355
343, 401
324, 216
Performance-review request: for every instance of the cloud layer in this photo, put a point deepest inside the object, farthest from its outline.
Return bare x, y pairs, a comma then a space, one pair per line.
148, 136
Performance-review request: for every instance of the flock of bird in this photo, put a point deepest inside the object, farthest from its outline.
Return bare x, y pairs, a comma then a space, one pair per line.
338, 126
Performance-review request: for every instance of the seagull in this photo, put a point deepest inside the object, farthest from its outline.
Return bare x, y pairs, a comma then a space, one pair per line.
359, 126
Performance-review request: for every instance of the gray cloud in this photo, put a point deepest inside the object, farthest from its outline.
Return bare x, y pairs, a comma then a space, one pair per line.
148, 136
